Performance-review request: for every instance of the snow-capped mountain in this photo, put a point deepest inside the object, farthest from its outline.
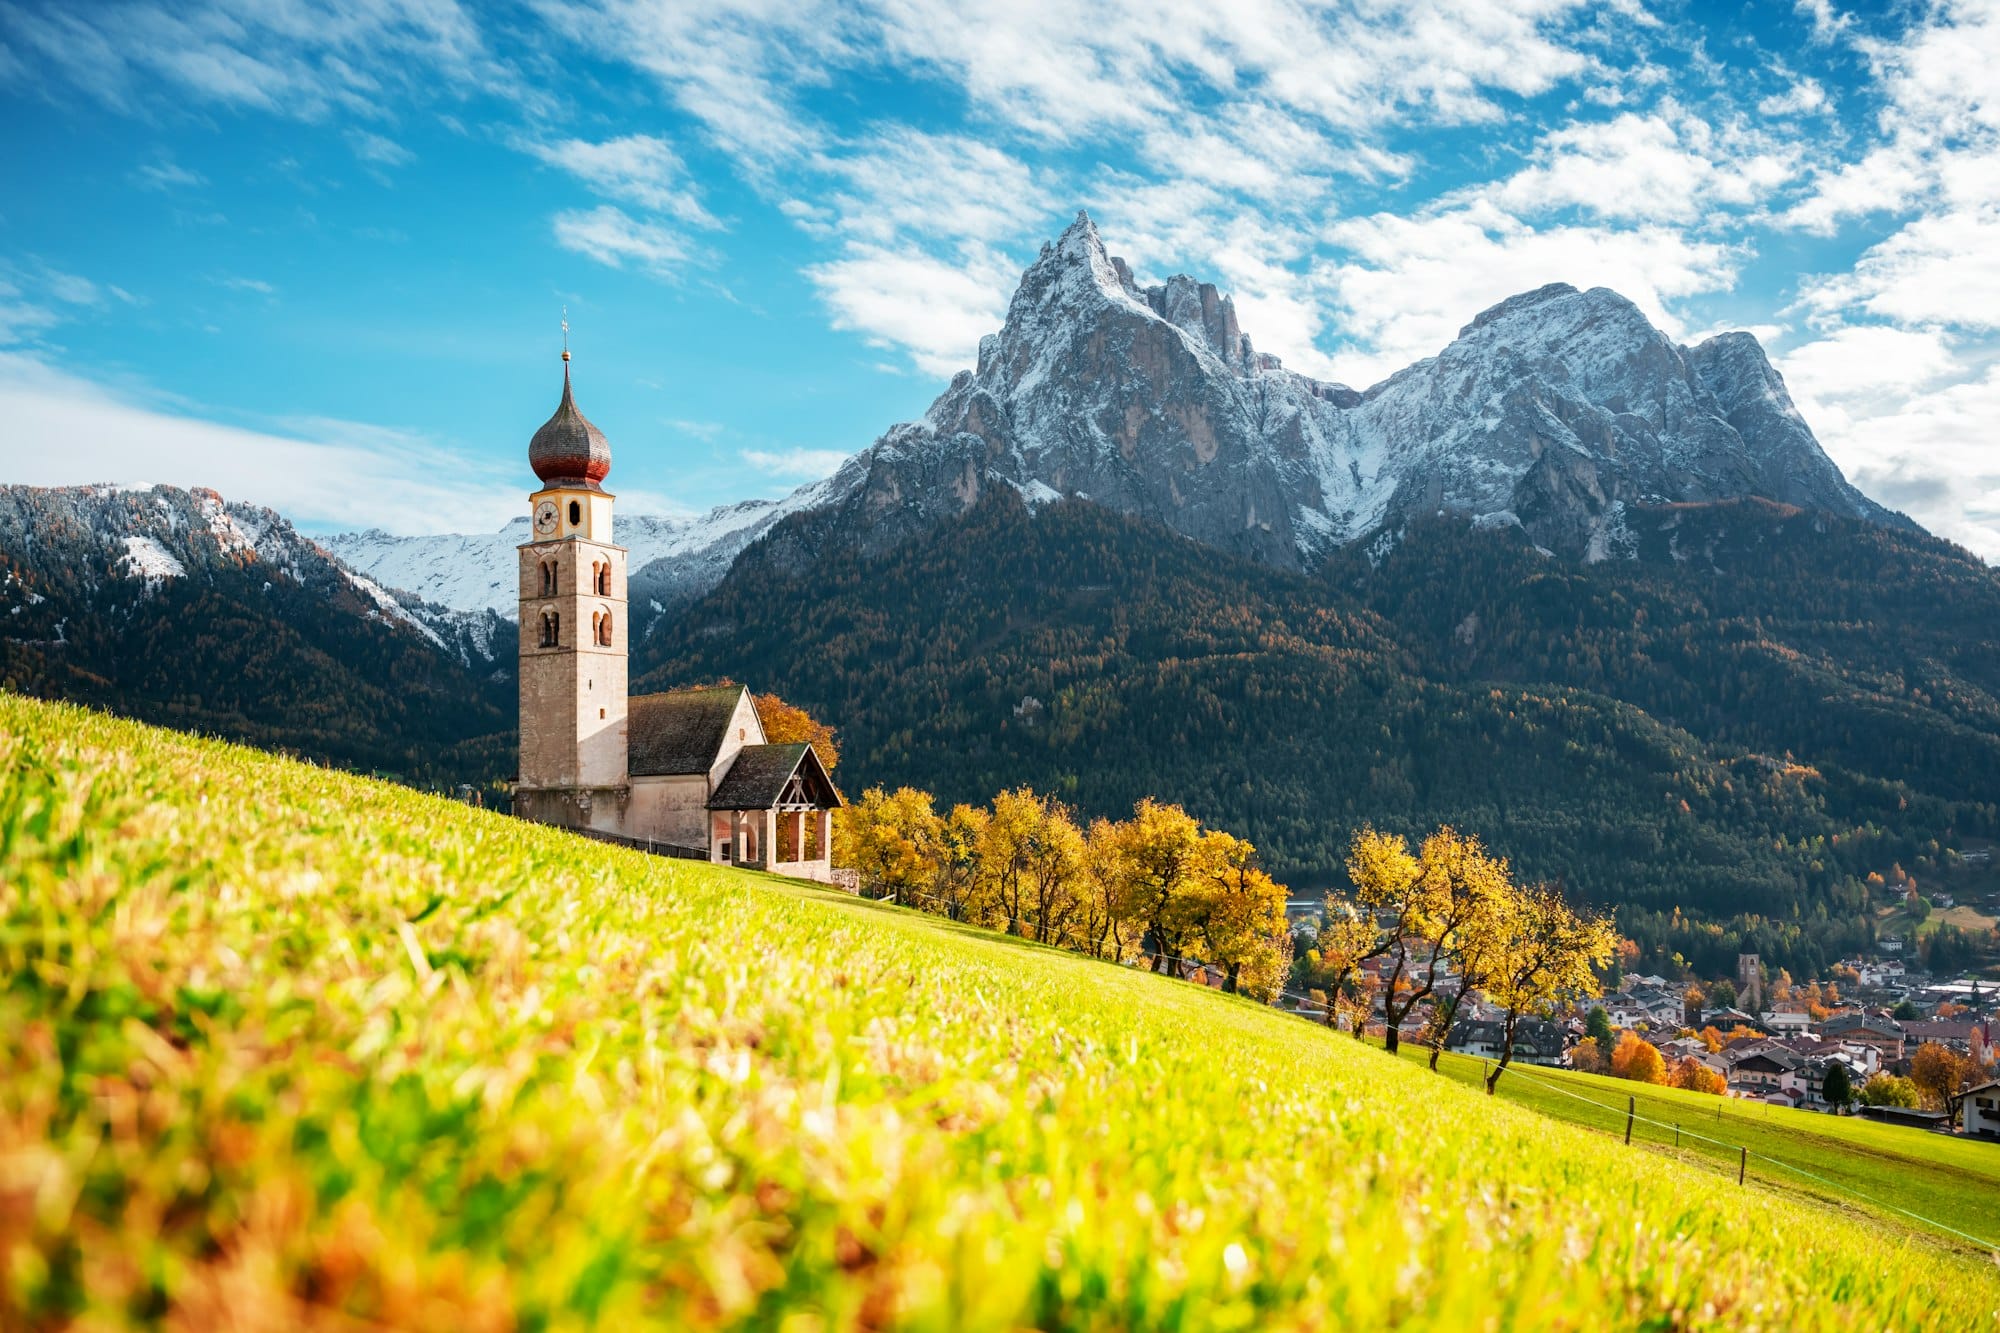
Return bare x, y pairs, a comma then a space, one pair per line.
1551, 410
672, 559
114, 543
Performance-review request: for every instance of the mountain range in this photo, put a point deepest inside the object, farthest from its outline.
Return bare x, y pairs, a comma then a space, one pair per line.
1596, 593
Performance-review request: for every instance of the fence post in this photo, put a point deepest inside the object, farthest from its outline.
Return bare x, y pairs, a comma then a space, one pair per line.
1630, 1104
1742, 1164
1677, 1134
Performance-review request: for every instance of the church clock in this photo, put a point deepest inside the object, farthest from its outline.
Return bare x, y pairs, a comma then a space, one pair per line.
545, 517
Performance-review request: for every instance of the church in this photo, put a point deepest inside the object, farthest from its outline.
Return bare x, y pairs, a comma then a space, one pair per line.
688, 772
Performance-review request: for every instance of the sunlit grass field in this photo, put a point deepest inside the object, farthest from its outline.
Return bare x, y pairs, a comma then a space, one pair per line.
1886, 1171
286, 1048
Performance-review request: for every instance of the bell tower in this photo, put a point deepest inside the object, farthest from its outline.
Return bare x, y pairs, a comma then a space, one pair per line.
573, 766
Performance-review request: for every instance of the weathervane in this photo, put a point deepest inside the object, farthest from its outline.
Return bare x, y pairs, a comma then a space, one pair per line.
565, 324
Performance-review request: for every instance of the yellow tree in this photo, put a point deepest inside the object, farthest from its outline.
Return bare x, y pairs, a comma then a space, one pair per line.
955, 868
1942, 1075
1550, 951
1478, 942
1103, 925
1348, 937
1053, 869
1384, 875
1241, 913
892, 839
1004, 852
1162, 854
1455, 884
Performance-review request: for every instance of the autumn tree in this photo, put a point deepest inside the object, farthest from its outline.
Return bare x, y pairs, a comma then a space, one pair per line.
1240, 912
1942, 1075
1550, 951
1103, 925
1348, 937
1695, 1076
1889, 1090
1585, 1057
788, 724
892, 839
1637, 1059
955, 869
1477, 946
1162, 856
1053, 868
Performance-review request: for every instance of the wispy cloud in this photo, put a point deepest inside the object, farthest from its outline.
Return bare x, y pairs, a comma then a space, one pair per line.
322, 472
165, 174
379, 150
796, 464
612, 236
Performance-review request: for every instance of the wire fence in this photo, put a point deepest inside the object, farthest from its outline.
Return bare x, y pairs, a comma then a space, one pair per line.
1743, 1152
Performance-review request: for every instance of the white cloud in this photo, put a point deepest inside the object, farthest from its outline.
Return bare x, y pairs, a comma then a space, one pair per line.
614, 237
165, 175
935, 309
1412, 282
796, 464
638, 169
379, 150
256, 285
1660, 167
1940, 269
1803, 98
331, 473
300, 59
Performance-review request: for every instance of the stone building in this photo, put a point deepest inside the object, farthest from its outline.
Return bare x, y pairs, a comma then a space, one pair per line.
687, 771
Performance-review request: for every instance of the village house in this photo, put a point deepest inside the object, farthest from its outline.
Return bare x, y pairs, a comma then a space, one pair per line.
1980, 1112
1883, 1034
687, 772
1537, 1041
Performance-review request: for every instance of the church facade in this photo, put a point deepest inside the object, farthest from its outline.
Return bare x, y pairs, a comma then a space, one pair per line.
687, 771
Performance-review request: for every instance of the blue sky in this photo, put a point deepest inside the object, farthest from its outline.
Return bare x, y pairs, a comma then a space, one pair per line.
314, 254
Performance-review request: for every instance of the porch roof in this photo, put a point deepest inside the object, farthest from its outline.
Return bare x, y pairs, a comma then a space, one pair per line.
757, 778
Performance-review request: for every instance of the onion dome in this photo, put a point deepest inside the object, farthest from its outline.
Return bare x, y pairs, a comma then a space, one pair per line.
568, 449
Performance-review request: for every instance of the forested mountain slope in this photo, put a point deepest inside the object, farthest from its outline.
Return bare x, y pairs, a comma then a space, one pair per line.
1694, 742
177, 607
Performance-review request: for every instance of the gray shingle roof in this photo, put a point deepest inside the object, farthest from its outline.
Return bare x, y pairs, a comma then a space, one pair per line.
679, 732
759, 775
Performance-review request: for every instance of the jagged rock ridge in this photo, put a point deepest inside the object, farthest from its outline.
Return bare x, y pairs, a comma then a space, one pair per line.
1553, 410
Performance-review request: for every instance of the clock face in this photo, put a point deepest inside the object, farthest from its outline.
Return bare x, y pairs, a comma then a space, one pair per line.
545, 516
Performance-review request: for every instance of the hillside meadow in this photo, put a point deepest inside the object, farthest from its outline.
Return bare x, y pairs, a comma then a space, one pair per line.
288, 1048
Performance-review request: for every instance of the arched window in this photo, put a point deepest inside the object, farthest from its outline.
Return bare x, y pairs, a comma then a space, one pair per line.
603, 619
597, 627
548, 578
551, 629
604, 579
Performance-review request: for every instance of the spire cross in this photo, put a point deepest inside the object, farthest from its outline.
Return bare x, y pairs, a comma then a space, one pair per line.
565, 328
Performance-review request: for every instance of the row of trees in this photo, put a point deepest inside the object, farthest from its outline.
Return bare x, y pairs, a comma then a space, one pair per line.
1447, 920
1156, 886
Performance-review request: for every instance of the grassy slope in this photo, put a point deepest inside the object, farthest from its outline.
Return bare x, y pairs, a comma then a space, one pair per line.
1862, 1165
291, 1043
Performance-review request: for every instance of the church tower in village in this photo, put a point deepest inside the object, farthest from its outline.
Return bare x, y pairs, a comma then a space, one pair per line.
573, 631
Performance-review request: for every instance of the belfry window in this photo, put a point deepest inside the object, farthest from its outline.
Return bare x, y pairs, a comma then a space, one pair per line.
603, 619
551, 629
575, 513
604, 579
548, 578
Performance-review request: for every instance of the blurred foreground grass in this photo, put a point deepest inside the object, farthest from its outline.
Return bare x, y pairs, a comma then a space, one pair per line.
285, 1048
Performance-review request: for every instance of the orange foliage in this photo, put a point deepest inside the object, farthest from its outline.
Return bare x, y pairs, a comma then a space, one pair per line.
1638, 1059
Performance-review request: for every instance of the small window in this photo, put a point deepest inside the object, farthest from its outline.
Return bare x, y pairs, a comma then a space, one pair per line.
604, 579
548, 578
603, 619
575, 513
551, 629
600, 712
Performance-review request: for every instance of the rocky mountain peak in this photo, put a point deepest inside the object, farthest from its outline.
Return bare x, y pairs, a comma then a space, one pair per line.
1552, 410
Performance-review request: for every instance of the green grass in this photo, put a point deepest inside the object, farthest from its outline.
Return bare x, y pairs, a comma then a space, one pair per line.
1863, 1167
287, 1048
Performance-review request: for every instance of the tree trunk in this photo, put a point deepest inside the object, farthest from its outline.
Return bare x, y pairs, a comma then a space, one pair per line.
1229, 982
1506, 1054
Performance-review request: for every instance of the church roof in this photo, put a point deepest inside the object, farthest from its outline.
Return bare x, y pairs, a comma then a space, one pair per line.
680, 732
568, 449
761, 773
